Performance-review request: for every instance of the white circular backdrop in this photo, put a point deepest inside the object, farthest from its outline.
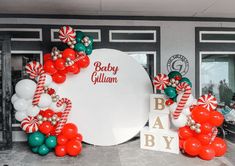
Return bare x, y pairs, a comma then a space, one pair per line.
109, 113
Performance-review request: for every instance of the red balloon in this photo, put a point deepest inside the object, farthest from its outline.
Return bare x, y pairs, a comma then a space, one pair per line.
200, 114
61, 140
59, 114
70, 130
60, 64
60, 150
181, 144
49, 67
192, 146
46, 127
185, 133
79, 137
73, 68
207, 153
84, 61
69, 53
46, 57
48, 113
206, 128
59, 78
219, 146
73, 147
63, 71
204, 138
216, 118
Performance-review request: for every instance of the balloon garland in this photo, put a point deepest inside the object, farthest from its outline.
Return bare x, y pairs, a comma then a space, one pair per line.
196, 120
42, 113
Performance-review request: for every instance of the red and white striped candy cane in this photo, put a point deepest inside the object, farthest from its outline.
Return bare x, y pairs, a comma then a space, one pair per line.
65, 114
161, 81
214, 134
186, 89
35, 69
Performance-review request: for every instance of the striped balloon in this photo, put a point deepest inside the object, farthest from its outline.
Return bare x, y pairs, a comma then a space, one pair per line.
29, 124
67, 34
207, 101
161, 81
65, 113
186, 89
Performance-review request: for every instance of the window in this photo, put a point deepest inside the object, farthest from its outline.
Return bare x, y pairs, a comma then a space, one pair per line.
215, 64
218, 76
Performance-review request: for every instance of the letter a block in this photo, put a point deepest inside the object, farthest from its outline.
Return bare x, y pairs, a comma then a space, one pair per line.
157, 103
159, 140
159, 121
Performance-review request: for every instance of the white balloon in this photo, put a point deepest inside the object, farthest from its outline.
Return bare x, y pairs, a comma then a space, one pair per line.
25, 88
180, 122
172, 107
186, 111
53, 86
14, 98
20, 105
55, 108
48, 80
189, 101
45, 101
32, 111
20, 115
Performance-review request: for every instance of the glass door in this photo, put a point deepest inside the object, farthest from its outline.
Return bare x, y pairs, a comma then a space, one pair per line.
5, 90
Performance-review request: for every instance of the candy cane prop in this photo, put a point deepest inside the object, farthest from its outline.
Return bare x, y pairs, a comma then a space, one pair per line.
35, 69
214, 134
65, 114
207, 101
161, 81
186, 89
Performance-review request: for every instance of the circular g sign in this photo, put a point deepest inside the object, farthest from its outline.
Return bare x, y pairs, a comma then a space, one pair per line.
178, 63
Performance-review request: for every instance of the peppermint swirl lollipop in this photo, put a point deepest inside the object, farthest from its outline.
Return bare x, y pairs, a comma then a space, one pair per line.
207, 101
67, 34
161, 81
29, 124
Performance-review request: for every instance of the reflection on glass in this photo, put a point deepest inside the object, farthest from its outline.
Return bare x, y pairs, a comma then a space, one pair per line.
18, 62
218, 77
146, 60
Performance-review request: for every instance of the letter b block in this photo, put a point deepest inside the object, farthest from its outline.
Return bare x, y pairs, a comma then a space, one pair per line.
157, 103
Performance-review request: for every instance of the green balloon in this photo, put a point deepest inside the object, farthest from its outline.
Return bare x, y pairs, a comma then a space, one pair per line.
88, 50
80, 47
43, 150
79, 36
34, 149
185, 79
172, 74
51, 142
36, 139
170, 92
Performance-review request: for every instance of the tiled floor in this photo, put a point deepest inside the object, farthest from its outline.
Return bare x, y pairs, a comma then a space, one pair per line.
127, 154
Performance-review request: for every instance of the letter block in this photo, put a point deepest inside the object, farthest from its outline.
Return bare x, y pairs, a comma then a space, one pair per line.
159, 121
157, 103
159, 140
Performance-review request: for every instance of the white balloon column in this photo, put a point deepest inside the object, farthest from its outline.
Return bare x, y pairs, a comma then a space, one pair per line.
22, 99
